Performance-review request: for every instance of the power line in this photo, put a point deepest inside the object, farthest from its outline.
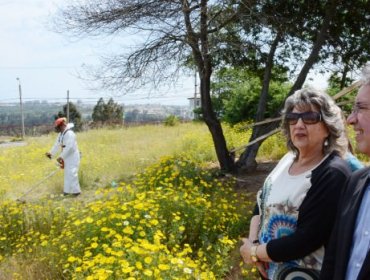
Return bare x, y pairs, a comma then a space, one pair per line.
37, 67
96, 98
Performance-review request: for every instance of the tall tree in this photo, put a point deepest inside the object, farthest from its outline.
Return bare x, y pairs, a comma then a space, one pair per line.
110, 112
174, 31
114, 112
98, 114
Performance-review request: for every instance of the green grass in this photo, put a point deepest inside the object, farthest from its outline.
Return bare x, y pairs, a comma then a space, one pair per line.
107, 155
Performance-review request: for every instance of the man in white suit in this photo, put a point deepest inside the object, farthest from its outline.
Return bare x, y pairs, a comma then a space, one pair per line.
69, 157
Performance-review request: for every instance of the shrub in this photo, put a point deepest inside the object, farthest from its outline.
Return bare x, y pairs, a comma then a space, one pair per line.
171, 120
174, 221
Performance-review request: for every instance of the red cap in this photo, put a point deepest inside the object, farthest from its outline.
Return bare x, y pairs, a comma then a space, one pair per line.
60, 121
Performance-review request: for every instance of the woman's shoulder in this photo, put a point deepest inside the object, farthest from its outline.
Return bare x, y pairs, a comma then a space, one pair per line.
334, 162
331, 175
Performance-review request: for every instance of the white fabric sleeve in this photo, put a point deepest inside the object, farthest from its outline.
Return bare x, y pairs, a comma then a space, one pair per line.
55, 147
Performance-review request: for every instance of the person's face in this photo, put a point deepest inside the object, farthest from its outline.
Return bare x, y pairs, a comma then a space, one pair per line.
360, 119
309, 132
59, 128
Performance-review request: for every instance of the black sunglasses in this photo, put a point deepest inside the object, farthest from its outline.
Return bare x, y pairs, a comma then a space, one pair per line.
307, 117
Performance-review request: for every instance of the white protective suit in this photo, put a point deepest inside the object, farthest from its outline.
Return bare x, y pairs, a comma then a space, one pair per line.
66, 142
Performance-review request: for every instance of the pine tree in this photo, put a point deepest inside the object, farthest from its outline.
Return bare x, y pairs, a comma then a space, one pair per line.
98, 111
110, 112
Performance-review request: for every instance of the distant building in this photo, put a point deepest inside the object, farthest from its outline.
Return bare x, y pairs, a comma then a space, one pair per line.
194, 103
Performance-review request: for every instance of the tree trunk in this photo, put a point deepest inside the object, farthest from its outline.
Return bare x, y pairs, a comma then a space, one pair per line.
224, 157
202, 59
247, 160
344, 76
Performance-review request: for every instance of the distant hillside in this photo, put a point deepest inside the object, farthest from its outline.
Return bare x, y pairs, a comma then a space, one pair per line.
41, 114
36, 112
155, 112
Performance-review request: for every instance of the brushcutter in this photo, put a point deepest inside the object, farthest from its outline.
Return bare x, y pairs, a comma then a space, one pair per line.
60, 165
19, 199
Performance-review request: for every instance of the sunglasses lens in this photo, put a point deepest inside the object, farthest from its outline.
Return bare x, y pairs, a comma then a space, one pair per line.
292, 118
311, 117
307, 117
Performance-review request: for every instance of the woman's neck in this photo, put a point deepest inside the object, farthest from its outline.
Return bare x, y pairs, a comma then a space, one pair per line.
305, 162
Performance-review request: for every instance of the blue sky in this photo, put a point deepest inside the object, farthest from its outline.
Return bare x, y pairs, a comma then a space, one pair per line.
48, 63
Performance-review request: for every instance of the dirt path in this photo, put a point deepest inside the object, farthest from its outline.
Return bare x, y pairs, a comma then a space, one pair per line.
252, 182
13, 144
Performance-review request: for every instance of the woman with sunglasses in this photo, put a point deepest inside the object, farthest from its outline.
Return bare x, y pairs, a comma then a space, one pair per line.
297, 203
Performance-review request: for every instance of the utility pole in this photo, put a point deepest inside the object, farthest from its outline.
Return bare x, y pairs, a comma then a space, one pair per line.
195, 89
21, 105
194, 115
67, 106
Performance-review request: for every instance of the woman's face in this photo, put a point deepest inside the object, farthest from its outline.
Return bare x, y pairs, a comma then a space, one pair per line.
307, 130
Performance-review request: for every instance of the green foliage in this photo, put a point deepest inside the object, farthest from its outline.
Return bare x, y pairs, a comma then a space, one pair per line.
198, 114
236, 94
113, 112
171, 120
240, 105
98, 111
273, 148
110, 112
336, 84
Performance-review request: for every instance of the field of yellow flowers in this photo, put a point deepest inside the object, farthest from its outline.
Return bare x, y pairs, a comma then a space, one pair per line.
150, 209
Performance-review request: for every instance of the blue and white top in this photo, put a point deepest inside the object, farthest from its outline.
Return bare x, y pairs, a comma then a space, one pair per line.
279, 200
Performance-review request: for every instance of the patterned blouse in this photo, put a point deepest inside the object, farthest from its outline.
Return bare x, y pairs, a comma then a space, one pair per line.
279, 201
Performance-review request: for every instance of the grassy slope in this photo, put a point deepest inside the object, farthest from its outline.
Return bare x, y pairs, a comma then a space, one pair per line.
114, 154
107, 155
